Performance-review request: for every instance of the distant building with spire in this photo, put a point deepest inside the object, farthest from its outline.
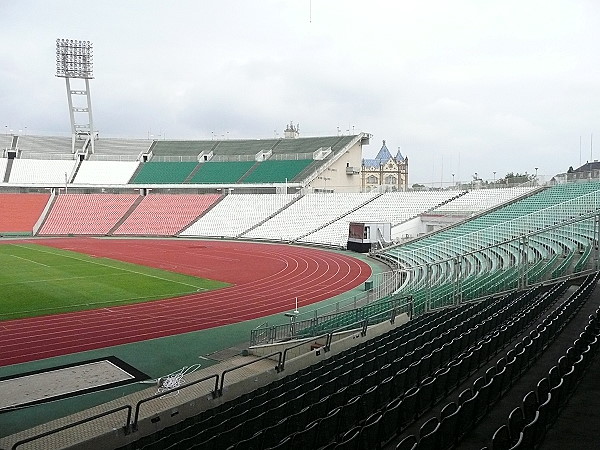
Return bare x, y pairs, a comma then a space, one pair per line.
385, 172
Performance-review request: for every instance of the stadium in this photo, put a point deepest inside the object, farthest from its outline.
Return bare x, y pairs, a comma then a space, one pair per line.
252, 294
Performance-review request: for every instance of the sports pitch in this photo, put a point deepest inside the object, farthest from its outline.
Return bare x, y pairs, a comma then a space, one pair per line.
37, 280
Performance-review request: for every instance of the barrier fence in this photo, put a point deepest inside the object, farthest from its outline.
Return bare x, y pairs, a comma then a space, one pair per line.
352, 313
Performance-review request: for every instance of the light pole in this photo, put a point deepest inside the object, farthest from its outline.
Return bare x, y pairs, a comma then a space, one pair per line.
453, 181
75, 61
494, 177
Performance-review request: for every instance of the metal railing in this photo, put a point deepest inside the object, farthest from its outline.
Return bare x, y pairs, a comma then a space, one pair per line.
75, 424
545, 254
231, 369
177, 388
171, 158
579, 206
114, 157
361, 324
297, 329
300, 344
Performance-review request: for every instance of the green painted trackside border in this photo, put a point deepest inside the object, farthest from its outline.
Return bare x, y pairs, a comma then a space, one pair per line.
155, 357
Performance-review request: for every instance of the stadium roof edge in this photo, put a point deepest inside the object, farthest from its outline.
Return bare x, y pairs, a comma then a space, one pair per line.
362, 134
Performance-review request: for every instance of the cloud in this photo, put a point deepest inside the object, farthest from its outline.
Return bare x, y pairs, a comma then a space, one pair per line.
503, 86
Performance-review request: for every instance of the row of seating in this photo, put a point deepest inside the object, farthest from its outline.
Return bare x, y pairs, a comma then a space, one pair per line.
417, 375
20, 212
54, 172
498, 379
94, 214
528, 423
383, 424
102, 172
310, 212
412, 332
255, 216
393, 207
164, 214
105, 172
490, 269
474, 401
500, 223
481, 199
217, 225
409, 403
235, 214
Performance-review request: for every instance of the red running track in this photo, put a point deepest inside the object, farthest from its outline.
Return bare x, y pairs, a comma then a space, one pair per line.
266, 278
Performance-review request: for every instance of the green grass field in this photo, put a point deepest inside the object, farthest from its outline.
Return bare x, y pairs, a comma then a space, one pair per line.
37, 280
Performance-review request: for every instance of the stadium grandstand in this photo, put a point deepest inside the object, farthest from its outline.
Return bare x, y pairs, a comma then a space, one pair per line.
480, 330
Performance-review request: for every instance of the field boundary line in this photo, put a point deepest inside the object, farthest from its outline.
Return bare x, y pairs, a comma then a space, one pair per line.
30, 260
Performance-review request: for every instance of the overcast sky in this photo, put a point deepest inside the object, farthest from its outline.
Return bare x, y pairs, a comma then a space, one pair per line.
462, 86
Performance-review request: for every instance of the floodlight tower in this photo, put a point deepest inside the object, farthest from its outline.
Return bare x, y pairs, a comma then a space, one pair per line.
74, 60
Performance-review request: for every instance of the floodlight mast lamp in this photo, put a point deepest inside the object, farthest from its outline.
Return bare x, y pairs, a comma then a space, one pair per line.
75, 60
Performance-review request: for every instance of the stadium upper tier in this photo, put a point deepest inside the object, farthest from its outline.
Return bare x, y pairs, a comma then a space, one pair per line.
105, 172
42, 172
130, 161
5, 141
248, 147
120, 149
45, 147
164, 172
3, 163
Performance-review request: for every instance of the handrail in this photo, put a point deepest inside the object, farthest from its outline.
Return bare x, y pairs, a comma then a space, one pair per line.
300, 344
276, 331
162, 394
364, 324
474, 236
231, 369
75, 424
507, 241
